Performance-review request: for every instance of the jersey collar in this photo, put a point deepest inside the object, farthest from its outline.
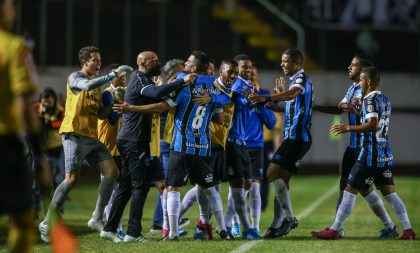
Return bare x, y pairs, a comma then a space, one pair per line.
297, 73
373, 93
219, 81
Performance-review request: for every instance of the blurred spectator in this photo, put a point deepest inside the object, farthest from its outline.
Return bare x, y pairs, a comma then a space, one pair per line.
366, 43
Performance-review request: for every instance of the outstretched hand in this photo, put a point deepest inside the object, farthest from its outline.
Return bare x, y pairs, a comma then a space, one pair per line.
280, 85
122, 107
339, 129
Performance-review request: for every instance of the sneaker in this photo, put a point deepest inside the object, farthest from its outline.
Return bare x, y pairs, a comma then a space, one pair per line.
140, 238
271, 233
251, 234
286, 226
110, 236
155, 229
408, 234
236, 229
326, 234
120, 233
96, 224
184, 222
44, 231
341, 233
229, 232
388, 233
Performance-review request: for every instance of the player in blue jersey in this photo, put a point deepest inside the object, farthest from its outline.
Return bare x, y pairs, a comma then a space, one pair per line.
297, 136
238, 161
351, 103
374, 163
257, 116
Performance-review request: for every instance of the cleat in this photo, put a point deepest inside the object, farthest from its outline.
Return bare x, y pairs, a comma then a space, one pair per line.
203, 231
251, 234
182, 232
223, 235
229, 232
140, 238
341, 233
96, 225
271, 233
110, 236
287, 226
165, 232
44, 231
169, 239
184, 222
236, 230
326, 234
155, 229
388, 233
408, 234
121, 234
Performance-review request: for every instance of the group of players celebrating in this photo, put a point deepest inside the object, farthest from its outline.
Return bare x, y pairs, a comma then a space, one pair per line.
212, 132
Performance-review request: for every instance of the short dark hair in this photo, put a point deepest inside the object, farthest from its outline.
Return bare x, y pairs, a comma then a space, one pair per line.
48, 92
241, 57
84, 53
372, 73
364, 60
110, 67
201, 60
295, 55
228, 62
170, 66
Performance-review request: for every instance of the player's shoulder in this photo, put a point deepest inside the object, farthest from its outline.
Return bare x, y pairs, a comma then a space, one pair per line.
300, 78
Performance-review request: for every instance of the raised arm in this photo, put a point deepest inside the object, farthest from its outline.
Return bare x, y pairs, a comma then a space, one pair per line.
150, 108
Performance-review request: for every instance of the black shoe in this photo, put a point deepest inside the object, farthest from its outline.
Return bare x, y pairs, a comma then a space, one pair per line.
223, 235
271, 233
184, 222
169, 239
286, 226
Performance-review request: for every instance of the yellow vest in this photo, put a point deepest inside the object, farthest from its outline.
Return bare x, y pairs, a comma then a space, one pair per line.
81, 113
107, 133
219, 132
17, 77
155, 136
169, 126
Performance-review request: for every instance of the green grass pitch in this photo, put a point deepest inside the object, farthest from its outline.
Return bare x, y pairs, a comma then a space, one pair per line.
361, 228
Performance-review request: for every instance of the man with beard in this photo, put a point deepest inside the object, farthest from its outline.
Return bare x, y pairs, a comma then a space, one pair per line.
133, 143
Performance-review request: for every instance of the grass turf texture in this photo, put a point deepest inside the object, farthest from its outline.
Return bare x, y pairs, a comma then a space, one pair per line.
361, 228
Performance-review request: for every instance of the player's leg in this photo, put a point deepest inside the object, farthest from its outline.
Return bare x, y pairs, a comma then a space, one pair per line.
257, 163
188, 201
21, 233
387, 187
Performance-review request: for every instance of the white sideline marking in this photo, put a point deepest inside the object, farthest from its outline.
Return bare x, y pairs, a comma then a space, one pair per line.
305, 212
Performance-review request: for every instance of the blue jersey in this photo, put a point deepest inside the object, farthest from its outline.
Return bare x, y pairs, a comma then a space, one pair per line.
192, 121
237, 129
256, 117
353, 93
298, 112
375, 146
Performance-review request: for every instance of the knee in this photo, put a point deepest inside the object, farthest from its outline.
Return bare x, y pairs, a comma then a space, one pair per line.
71, 179
160, 185
247, 185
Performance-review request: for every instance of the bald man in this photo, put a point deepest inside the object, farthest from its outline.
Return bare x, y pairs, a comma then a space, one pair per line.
133, 143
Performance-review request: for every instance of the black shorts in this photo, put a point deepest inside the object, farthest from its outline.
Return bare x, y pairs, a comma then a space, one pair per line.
361, 177
257, 164
218, 157
289, 154
238, 162
157, 170
197, 168
15, 177
349, 159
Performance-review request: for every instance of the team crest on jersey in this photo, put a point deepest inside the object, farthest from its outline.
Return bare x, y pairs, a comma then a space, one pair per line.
299, 80
369, 108
369, 181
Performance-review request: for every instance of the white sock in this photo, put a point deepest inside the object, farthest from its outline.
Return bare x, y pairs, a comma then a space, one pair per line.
203, 203
230, 210
173, 205
283, 197
239, 203
399, 209
216, 206
188, 201
278, 214
164, 199
255, 204
111, 200
377, 205
344, 210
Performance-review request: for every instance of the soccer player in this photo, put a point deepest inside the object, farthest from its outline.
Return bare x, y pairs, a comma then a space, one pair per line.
351, 103
374, 164
297, 136
258, 116
79, 132
17, 85
133, 142
238, 160
108, 129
